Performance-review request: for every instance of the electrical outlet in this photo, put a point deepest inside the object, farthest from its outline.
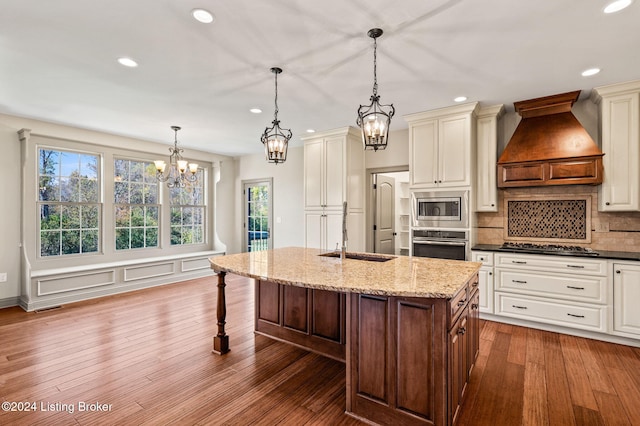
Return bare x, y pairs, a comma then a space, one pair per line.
3, 277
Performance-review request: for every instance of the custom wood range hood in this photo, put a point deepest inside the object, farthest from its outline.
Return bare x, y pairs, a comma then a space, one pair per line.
549, 146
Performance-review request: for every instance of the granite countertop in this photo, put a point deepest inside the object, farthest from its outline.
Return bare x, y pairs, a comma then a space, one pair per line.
401, 276
602, 254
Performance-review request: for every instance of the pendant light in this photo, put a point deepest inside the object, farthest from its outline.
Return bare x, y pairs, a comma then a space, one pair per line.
180, 171
374, 119
275, 139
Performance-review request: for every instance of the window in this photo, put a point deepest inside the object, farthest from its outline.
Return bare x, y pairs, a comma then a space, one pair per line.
68, 202
187, 212
136, 204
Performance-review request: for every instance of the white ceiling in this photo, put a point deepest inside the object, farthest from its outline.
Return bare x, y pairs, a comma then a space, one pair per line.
58, 61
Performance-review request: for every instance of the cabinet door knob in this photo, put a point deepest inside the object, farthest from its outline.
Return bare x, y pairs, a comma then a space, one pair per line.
490, 273
492, 205
462, 330
618, 271
439, 181
607, 203
435, 181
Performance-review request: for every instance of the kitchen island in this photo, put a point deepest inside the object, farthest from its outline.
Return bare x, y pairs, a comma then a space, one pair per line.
407, 328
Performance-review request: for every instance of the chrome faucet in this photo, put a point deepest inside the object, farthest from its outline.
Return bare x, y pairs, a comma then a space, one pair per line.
343, 253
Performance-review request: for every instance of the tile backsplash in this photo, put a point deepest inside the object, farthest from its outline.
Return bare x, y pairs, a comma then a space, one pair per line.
558, 215
550, 220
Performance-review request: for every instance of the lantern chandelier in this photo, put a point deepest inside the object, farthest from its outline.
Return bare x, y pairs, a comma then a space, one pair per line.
374, 119
177, 176
274, 138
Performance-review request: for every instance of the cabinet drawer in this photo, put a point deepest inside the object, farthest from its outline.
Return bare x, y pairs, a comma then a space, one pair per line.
484, 257
583, 316
575, 288
568, 264
457, 304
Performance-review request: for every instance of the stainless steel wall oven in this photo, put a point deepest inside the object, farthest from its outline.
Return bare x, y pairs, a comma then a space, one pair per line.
441, 244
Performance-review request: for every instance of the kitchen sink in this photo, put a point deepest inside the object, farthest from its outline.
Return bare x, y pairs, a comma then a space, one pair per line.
360, 256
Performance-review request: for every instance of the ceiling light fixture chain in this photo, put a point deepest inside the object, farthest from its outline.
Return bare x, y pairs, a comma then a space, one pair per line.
275, 139
180, 171
375, 59
374, 119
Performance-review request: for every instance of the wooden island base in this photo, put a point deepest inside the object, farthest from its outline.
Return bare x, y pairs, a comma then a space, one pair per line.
406, 328
408, 359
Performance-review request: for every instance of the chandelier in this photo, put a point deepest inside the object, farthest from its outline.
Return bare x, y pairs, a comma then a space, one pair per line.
177, 176
275, 139
374, 119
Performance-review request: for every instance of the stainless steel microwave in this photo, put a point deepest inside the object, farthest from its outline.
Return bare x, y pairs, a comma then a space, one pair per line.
442, 209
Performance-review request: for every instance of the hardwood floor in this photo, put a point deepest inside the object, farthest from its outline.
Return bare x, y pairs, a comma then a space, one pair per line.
146, 356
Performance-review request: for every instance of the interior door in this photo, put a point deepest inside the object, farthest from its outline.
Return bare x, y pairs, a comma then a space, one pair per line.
385, 215
257, 215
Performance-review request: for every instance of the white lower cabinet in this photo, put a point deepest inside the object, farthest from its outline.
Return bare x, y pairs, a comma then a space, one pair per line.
626, 297
485, 280
553, 311
323, 230
564, 291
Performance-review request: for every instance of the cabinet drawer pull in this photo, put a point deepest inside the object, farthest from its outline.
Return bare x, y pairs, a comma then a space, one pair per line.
474, 306
519, 262
518, 281
462, 330
462, 302
576, 316
519, 307
576, 266
475, 283
575, 288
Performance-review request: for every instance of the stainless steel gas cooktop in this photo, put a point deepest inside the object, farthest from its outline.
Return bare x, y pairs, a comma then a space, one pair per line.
548, 249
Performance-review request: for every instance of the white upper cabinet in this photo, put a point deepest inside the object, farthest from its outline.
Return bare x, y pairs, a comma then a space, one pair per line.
620, 136
486, 194
324, 173
334, 172
440, 143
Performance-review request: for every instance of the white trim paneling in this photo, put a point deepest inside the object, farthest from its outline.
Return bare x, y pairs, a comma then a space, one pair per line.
66, 283
148, 271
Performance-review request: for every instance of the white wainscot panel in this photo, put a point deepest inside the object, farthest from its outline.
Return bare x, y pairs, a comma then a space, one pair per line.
195, 264
148, 271
62, 284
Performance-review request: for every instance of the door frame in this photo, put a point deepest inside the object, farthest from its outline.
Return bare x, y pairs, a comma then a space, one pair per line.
370, 201
243, 185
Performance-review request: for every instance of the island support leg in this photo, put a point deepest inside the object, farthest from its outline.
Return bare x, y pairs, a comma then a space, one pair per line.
221, 340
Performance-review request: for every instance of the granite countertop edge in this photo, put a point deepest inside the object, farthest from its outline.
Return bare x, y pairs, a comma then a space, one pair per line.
402, 276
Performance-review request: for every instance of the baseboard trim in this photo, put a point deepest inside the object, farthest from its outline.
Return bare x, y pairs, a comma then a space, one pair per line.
563, 330
9, 302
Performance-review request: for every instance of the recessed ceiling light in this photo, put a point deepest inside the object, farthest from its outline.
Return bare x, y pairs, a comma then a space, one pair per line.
460, 99
617, 6
255, 110
310, 131
590, 72
202, 15
128, 62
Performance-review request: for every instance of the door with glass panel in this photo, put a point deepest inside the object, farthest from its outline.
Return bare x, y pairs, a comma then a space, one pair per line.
257, 215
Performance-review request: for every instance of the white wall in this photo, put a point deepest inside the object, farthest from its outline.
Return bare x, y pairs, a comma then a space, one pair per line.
10, 212
396, 153
288, 196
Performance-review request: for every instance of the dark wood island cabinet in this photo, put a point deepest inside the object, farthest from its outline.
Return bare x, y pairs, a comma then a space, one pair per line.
407, 329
